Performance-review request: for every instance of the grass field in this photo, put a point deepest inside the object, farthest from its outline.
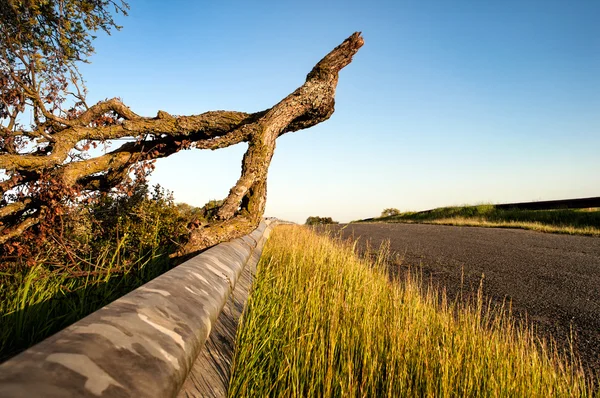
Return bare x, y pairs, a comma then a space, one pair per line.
567, 221
322, 322
37, 302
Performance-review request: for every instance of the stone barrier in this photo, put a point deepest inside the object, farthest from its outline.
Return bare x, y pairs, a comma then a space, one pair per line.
144, 344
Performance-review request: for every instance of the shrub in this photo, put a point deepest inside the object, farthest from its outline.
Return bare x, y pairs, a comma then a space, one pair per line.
94, 253
390, 212
211, 208
320, 221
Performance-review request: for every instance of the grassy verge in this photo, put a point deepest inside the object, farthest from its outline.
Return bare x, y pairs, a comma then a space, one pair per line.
94, 256
37, 302
567, 221
322, 322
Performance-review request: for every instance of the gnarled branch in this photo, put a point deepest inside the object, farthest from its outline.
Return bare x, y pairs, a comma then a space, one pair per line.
163, 135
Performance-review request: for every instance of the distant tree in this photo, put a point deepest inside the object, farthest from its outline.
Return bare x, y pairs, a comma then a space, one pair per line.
211, 209
48, 165
390, 212
190, 212
320, 221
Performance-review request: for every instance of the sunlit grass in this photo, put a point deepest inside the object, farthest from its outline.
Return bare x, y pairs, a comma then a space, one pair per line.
96, 253
38, 301
321, 322
534, 226
564, 221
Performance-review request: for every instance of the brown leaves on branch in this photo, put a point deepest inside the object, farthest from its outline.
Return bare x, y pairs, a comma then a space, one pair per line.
55, 168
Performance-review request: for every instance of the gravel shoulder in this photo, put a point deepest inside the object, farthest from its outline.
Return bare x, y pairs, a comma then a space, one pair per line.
551, 280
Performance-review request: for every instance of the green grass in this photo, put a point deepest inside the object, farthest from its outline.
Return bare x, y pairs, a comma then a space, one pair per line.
566, 221
321, 322
38, 301
93, 256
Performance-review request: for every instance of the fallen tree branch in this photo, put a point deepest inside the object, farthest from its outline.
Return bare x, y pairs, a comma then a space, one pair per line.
164, 135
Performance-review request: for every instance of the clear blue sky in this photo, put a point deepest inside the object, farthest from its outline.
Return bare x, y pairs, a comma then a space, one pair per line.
448, 102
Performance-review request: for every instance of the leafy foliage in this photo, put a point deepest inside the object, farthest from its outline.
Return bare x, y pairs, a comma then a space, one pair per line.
320, 221
131, 226
390, 212
95, 253
41, 43
211, 209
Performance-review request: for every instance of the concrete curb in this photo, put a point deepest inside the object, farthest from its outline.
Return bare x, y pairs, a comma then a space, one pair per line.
143, 344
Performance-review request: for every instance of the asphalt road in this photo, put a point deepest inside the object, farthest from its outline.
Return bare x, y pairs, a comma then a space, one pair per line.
553, 279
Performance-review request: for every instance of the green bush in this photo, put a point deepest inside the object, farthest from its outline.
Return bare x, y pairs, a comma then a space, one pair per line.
390, 212
94, 254
210, 209
137, 225
320, 221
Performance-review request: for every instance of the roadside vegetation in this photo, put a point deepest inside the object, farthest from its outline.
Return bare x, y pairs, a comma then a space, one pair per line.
95, 253
320, 321
565, 221
320, 221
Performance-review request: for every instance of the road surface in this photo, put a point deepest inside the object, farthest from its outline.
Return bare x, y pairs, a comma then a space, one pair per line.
554, 279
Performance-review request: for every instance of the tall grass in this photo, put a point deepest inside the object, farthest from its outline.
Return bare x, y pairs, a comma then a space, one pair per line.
97, 254
38, 301
566, 221
322, 322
